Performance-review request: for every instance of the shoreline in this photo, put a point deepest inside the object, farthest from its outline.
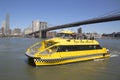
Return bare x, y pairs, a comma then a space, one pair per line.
38, 38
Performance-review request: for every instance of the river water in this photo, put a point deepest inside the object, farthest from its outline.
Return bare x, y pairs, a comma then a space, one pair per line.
14, 64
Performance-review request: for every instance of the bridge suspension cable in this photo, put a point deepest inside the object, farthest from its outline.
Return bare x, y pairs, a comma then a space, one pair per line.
115, 12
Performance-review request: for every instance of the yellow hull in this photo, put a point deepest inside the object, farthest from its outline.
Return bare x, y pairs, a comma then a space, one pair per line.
39, 62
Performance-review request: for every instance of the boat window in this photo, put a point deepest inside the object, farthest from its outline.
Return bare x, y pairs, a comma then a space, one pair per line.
50, 50
70, 36
65, 35
59, 35
35, 48
98, 47
77, 48
49, 44
54, 49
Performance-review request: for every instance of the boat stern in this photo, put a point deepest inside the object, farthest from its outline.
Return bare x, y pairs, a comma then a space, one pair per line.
106, 53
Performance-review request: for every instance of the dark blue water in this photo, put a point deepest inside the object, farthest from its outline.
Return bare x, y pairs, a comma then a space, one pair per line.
14, 64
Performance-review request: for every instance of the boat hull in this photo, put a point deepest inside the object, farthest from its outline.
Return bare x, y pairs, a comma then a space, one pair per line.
45, 62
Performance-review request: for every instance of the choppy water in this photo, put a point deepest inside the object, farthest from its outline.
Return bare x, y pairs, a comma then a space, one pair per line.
14, 66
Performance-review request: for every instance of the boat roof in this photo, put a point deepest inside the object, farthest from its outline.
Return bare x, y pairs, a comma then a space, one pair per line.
66, 32
72, 41
61, 41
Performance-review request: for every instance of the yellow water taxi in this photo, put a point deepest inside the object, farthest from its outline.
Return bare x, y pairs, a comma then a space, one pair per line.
65, 48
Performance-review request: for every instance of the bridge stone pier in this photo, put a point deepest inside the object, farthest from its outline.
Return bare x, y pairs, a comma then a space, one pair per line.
43, 34
38, 34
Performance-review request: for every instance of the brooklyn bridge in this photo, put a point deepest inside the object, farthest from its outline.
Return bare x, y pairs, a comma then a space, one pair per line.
42, 33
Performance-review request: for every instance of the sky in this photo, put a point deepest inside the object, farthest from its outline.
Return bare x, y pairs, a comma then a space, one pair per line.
58, 12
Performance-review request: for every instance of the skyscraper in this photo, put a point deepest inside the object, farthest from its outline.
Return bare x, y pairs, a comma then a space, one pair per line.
7, 26
80, 30
3, 28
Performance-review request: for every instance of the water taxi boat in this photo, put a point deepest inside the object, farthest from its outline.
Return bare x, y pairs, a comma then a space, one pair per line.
65, 48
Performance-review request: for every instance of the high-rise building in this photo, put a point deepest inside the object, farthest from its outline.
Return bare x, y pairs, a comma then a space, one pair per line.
79, 33
0, 32
7, 25
51, 34
17, 31
80, 30
3, 27
28, 30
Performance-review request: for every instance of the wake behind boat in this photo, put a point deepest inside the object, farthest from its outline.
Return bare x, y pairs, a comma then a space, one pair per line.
65, 48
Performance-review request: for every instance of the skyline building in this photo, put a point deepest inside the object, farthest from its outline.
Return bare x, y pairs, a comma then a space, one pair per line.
80, 30
3, 28
6, 26
16, 31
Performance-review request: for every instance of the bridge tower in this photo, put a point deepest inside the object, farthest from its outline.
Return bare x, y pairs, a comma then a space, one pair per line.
43, 26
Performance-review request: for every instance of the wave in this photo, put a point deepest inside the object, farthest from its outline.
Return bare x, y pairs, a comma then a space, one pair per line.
99, 59
114, 55
111, 55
